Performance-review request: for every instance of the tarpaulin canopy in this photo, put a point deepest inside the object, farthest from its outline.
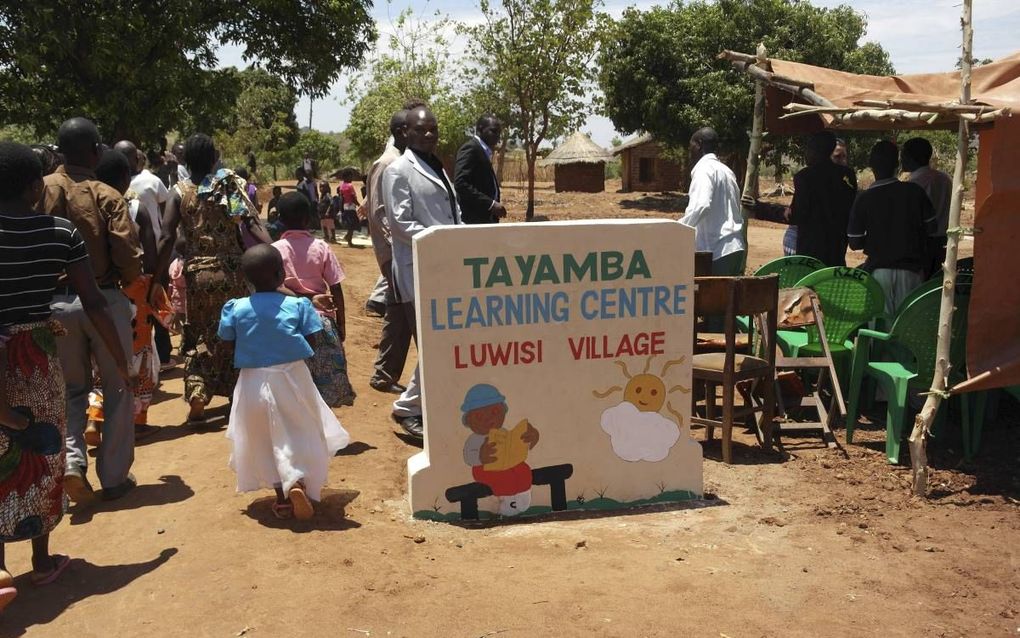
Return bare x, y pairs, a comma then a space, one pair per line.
824, 98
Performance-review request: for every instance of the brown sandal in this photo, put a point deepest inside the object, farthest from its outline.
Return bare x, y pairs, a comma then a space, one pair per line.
303, 509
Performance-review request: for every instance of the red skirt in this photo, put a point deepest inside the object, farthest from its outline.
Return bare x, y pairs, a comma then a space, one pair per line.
504, 482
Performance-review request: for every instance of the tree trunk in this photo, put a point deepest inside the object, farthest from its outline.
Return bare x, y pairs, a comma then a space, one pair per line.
924, 420
500, 161
532, 157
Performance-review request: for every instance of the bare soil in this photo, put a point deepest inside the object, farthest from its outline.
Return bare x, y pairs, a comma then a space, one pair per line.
806, 543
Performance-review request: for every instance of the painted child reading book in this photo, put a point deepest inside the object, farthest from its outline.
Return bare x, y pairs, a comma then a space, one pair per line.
498, 457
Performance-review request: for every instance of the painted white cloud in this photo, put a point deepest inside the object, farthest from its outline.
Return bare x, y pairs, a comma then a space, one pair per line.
639, 436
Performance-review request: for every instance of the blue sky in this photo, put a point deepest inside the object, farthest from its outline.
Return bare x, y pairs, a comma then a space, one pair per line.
920, 35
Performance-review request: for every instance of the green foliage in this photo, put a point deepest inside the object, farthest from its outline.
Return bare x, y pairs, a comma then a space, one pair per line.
539, 56
19, 134
660, 74
328, 149
261, 120
416, 68
140, 71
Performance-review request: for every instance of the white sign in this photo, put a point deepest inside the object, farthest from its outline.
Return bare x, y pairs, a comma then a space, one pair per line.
556, 368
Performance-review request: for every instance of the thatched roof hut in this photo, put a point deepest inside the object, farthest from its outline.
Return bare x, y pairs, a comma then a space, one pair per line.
579, 165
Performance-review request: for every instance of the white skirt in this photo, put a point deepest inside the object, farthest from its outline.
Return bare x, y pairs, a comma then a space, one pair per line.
282, 431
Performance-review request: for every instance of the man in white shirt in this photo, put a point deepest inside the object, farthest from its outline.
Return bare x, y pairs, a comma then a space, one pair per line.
713, 208
152, 194
915, 157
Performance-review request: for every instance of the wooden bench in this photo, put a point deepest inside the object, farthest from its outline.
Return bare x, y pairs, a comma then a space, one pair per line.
555, 476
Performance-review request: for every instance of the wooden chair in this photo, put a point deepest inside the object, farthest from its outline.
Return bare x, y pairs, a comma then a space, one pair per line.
799, 308
732, 297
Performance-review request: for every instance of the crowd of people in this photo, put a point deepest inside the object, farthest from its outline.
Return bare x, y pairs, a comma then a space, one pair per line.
899, 225
107, 251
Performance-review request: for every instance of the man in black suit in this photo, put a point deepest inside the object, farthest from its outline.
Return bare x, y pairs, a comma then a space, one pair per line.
474, 178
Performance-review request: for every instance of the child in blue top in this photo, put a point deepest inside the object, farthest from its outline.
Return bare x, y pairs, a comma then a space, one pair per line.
283, 433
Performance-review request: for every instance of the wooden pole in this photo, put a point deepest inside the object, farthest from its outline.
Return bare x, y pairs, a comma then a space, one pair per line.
750, 193
924, 420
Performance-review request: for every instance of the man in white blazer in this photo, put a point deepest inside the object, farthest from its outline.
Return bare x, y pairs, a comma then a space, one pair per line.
418, 195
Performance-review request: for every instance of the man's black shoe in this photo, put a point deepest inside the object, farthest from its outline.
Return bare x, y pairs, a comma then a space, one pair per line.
412, 425
113, 493
386, 386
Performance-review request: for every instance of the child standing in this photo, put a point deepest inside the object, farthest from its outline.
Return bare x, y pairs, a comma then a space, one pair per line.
349, 216
313, 271
327, 214
283, 433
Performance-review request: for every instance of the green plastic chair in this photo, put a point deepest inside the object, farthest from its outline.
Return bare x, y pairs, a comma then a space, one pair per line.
790, 269
849, 298
914, 334
935, 283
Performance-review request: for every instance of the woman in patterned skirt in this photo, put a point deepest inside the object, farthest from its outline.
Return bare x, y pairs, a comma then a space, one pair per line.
34, 251
216, 218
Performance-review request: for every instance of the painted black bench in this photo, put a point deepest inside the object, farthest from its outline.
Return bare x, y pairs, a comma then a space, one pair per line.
555, 476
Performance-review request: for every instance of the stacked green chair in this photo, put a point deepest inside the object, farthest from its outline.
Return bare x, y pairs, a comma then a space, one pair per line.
790, 269
963, 278
849, 298
914, 336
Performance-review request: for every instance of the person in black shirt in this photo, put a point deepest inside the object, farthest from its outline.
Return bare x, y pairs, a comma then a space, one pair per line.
890, 222
823, 194
34, 250
474, 178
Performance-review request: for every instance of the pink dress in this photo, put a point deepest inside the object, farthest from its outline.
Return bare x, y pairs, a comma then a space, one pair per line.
310, 268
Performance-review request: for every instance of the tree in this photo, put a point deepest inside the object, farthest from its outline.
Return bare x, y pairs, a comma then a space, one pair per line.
539, 54
139, 74
328, 149
659, 71
262, 119
416, 67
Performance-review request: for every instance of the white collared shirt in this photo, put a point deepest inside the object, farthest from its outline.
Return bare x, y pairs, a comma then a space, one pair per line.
713, 208
939, 187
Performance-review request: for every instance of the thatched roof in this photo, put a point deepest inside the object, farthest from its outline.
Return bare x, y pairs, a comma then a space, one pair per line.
576, 149
631, 143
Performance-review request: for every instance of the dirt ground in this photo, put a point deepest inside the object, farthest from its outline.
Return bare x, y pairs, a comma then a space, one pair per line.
806, 543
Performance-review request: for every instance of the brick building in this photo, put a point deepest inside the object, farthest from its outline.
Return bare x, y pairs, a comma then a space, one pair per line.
645, 168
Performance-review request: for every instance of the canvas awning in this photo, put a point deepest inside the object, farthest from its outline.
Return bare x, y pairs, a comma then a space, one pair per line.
801, 98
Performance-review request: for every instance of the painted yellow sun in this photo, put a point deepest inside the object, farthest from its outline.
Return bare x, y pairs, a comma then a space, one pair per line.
646, 391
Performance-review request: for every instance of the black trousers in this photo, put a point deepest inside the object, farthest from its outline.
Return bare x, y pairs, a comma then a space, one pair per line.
162, 336
397, 332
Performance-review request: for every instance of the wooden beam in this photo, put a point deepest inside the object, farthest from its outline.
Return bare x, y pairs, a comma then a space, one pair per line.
749, 196
918, 105
859, 113
769, 78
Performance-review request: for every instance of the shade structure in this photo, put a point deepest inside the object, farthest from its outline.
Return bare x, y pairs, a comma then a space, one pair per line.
801, 98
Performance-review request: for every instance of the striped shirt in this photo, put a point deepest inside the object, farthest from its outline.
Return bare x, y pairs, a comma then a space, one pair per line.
34, 251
